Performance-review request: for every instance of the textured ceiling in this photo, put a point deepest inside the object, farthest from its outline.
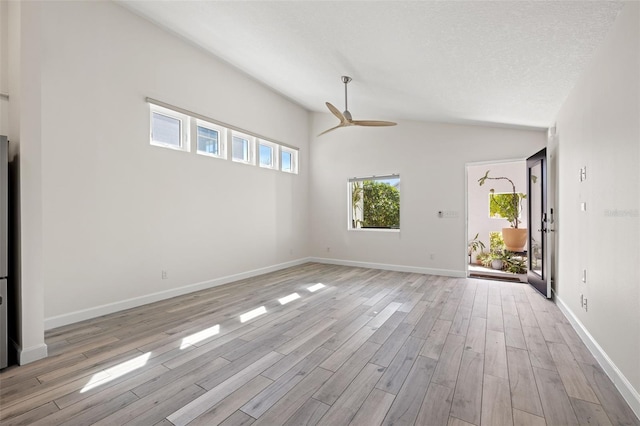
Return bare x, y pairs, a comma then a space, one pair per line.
502, 62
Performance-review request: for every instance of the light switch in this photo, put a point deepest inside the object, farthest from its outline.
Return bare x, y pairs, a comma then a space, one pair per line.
448, 214
583, 207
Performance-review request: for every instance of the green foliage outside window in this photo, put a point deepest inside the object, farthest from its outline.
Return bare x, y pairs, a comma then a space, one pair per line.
496, 243
381, 205
506, 206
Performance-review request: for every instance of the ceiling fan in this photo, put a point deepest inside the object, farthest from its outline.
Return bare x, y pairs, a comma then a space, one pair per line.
345, 117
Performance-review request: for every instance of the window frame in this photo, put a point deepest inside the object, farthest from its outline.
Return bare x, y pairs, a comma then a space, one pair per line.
184, 130
294, 159
275, 154
350, 209
222, 138
251, 143
188, 124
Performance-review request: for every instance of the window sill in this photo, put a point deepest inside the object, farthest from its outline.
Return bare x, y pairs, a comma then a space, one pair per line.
211, 155
248, 163
393, 230
169, 146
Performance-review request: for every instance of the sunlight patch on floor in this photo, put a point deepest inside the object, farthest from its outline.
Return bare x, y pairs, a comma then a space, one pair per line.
252, 314
200, 336
316, 287
289, 298
116, 371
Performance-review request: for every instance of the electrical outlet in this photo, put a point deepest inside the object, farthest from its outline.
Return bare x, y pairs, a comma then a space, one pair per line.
165, 275
432, 256
583, 207
328, 249
583, 302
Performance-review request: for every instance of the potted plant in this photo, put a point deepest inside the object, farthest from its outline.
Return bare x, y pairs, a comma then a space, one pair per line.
495, 259
500, 258
514, 263
483, 258
475, 245
508, 207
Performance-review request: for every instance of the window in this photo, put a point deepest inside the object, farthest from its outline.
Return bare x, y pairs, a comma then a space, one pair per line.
241, 148
374, 203
172, 127
505, 205
169, 129
211, 139
268, 153
288, 160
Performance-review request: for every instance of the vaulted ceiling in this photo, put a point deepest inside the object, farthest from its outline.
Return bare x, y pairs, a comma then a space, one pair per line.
495, 62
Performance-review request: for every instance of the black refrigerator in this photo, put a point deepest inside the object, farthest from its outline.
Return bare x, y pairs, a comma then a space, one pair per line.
4, 247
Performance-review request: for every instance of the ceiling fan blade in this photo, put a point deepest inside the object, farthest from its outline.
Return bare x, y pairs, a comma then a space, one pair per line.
345, 117
333, 128
335, 111
372, 123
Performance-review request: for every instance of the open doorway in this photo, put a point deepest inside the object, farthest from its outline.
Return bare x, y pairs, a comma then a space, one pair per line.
495, 201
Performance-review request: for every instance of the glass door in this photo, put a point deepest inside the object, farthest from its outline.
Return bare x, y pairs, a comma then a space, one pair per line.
538, 256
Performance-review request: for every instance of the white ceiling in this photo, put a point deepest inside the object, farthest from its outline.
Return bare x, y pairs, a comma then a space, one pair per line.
499, 62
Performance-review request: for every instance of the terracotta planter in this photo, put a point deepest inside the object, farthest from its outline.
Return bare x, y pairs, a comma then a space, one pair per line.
514, 239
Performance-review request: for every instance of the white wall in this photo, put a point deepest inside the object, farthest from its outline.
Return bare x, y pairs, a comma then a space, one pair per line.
4, 67
431, 159
13, 58
114, 211
599, 127
478, 196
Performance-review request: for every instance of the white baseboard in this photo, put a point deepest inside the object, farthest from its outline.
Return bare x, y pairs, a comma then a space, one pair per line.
628, 392
388, 267
27, 355
109, 308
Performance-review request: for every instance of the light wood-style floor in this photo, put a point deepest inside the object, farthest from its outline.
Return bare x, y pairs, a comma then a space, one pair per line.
370, 347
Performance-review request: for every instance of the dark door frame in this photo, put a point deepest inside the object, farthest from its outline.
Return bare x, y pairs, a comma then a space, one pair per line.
538, 279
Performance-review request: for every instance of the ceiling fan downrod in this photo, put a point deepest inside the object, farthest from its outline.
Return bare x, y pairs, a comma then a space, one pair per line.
346, 79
